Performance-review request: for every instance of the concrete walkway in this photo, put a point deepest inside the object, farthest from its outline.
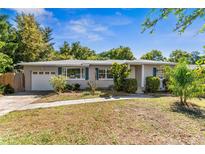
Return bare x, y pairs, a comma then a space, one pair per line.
12, 102
28, 105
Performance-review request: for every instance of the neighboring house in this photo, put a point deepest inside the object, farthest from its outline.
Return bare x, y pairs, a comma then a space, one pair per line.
38, 74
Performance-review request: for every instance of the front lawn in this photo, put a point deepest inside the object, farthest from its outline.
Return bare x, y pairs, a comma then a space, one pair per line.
73, 95
140, 121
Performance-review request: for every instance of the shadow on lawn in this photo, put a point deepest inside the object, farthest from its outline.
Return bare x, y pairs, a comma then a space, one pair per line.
192, 111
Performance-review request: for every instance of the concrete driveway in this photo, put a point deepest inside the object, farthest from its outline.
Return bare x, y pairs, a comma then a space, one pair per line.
13, 102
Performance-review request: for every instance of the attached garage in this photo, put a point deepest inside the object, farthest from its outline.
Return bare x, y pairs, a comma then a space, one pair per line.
40, 80
37, 77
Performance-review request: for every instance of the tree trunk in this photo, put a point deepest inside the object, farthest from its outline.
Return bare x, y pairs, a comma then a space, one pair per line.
185, 103
181, 99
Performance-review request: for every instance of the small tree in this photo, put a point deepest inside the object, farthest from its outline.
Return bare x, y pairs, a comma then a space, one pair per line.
120, 73
59, 83
92, 86
184, 82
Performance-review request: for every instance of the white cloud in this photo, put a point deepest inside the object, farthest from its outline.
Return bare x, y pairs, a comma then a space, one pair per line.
37, 12
86, 28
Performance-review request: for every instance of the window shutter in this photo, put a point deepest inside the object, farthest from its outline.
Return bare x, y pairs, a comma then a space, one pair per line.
154, 71
86, 73
96, 74
59, 70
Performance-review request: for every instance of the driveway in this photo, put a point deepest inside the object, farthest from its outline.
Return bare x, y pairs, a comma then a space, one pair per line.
13, 102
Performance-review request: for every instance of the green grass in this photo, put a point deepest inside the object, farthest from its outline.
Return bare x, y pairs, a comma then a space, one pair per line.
140, 121
52, 97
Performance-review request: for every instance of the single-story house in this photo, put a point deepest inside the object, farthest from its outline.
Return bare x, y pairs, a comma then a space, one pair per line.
38, 74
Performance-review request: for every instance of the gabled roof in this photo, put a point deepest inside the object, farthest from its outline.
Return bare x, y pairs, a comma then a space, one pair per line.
93, 62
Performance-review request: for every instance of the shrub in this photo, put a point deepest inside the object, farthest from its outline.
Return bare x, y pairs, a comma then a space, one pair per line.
130, 85
6, 89
92, 86
68, 87
58, 83
165, 84
120, 72
76, 86
152, 84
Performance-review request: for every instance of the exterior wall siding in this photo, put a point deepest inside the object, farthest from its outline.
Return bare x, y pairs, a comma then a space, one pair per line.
105, 83
28, 70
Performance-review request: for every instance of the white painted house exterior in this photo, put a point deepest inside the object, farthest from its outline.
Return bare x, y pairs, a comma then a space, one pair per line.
38, 74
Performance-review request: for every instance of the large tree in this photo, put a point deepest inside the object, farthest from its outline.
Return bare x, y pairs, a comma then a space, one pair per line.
154, 55
122, 53
185, 17
49, 52
195, 56
76, 51
8, 44
31, 40
176, 55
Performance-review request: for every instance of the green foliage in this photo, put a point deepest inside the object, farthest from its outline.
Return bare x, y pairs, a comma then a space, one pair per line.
120, 73
76, 86
176, 55
8, 44
152, 84
130, 85
195, 56
5, 63
31, 40
154, 55
185, 17
184, 82
68, 87
76, 51
58, 83
122, 53
6, 89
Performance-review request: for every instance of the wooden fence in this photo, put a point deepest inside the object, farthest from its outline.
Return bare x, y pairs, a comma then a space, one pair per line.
16, 80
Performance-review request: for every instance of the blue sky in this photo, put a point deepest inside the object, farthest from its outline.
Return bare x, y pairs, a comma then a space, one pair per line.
103, 29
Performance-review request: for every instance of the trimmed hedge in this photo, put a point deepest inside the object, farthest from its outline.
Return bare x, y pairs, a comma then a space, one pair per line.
152, 84
130, 85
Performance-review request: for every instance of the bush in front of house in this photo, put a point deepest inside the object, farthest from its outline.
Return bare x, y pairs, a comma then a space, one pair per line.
130, 85
71, 87
152, 84
76, 86
92, 87
68, 87
6, 89
58, 83
120, 72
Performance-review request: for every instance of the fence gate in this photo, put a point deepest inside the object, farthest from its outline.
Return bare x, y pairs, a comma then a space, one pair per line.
16, 80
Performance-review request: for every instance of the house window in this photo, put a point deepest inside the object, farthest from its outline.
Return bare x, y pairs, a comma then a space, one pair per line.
102, 73
105, 74
46, 73
109, 74
53, 73
35, 73
40, 73
73, 73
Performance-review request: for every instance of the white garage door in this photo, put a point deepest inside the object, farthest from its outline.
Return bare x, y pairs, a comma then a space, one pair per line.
40, 80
